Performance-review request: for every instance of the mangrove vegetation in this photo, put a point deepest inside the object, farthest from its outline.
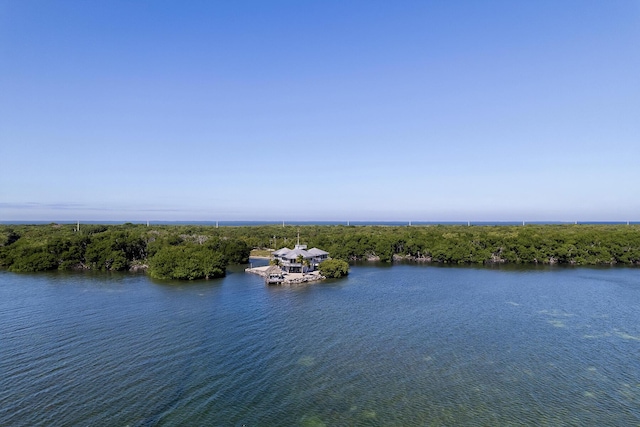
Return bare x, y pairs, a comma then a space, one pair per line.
334, 268
165, 252
194, 252
455, 244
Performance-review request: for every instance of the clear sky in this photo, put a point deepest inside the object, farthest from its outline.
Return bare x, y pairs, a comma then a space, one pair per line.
320, 110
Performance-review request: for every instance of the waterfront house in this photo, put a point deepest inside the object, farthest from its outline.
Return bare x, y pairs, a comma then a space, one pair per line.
299, 259
319, 255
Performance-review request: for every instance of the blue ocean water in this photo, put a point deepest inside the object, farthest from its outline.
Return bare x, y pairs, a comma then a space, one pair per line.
388, 345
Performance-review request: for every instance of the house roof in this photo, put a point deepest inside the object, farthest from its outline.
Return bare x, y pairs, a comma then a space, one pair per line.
316, 251
281, 251
293, 254
274, 269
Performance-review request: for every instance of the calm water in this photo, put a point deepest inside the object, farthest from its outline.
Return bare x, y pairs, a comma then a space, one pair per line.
402, 345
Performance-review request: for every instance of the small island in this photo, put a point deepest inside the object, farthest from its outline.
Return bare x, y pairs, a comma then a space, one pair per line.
299, 265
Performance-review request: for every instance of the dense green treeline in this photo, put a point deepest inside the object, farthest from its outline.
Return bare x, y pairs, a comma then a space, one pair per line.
190, 252
530, 244
167, 252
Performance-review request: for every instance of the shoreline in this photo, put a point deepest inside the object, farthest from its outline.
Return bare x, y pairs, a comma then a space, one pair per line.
289, 278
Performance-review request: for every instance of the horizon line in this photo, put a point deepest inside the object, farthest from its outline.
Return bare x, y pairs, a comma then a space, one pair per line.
315, 221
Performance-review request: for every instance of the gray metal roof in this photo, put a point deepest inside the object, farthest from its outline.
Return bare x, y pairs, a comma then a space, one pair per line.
316, 251
293, 254
281, 251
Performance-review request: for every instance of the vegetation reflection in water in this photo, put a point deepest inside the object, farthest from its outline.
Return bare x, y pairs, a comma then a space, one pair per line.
405, 345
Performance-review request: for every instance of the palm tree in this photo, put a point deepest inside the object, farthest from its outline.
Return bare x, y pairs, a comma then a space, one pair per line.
306, 263
300, 260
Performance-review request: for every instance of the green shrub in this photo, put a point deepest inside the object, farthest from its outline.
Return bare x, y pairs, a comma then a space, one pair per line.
186, 263
334, 268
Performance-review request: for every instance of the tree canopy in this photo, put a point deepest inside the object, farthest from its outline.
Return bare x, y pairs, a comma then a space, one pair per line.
333, 268
191, 252
168, 252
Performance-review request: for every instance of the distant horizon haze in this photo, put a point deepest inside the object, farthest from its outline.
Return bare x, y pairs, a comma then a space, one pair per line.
415, 110
293, 222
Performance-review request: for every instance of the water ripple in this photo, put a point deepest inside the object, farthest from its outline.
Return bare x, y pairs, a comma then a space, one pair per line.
391, 346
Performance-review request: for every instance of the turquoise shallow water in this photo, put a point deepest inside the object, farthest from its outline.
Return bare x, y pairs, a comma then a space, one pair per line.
401, 345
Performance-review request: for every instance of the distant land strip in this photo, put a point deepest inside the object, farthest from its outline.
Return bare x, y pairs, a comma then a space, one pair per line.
204, 251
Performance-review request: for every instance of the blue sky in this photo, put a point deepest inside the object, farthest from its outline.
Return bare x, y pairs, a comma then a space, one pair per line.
307, 110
